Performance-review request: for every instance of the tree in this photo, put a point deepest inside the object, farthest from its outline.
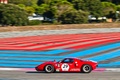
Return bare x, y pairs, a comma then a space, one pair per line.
116, 2
79, 4
22, 6
41, 9
106, 0
39, 2
109, 9
58, 7
30, 10
118, 7
25, 2
15, 1
74, 17
112, 1
94, 7
12, 15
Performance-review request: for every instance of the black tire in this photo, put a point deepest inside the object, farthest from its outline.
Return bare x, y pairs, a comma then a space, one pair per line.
86, 68
49, 69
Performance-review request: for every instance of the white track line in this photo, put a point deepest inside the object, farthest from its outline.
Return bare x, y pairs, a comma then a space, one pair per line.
33, 69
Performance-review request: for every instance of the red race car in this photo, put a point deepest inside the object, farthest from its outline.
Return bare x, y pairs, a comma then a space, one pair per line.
68, 65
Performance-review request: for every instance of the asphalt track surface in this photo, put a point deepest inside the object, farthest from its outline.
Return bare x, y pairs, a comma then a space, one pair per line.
33, 75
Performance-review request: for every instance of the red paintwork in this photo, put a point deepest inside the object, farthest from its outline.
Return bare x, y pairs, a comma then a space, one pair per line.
73, 67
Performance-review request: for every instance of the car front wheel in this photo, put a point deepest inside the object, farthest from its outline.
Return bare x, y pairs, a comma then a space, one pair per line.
86, 68
49, 69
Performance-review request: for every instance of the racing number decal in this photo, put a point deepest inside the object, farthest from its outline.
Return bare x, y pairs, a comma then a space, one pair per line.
65, 67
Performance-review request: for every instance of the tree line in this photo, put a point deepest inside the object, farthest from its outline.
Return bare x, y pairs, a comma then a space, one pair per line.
16, 12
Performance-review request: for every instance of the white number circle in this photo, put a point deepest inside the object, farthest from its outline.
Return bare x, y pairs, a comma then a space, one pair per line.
65, 67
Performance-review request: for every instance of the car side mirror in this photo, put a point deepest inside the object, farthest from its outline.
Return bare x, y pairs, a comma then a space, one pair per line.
54, 60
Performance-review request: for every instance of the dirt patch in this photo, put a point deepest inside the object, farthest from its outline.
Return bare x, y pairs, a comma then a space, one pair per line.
58, 27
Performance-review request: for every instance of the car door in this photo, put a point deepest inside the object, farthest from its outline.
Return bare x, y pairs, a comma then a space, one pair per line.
67, 64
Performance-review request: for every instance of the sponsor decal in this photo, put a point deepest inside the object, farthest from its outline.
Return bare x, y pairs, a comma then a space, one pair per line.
75, 69
58, 70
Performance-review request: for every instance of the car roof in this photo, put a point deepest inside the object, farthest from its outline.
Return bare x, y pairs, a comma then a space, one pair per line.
71, 58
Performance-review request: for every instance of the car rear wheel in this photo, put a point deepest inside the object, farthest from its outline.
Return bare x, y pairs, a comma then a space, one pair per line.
86, 68
49, 69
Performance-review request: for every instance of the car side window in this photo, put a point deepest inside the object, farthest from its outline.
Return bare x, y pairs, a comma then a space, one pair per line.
68, 60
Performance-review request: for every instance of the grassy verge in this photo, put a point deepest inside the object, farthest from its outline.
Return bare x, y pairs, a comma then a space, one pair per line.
58, 27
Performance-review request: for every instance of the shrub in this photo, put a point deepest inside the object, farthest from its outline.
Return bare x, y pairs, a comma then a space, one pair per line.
74, 17
12, 15
34, 22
